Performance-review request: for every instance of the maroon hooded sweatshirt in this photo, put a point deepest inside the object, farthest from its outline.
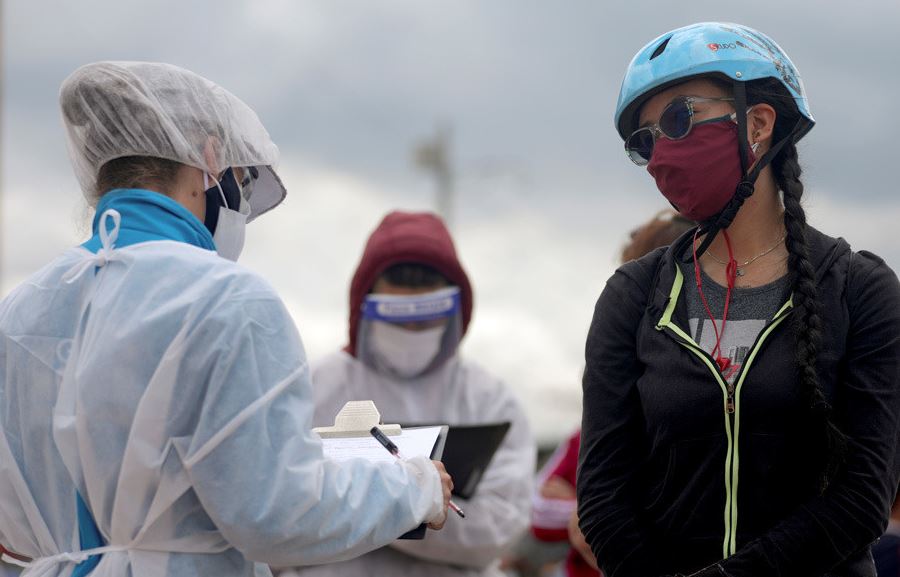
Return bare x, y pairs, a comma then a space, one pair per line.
407, 237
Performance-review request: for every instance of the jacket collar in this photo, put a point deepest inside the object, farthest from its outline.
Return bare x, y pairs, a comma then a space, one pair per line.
823, 252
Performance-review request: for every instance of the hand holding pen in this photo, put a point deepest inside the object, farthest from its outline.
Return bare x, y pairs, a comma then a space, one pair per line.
395, 451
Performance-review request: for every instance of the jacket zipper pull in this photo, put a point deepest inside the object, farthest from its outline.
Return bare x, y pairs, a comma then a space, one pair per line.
729, 402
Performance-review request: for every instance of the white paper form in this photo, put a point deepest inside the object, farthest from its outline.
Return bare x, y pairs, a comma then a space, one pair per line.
411, 442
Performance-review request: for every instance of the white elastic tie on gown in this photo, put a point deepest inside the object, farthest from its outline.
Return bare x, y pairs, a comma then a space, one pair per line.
45, 566
13, 561
107, 249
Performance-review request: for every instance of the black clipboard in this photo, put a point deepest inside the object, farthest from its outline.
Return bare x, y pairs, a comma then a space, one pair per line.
468, 452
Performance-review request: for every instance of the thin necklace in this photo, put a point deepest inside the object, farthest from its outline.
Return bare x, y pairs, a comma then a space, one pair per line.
772, 276
740, 267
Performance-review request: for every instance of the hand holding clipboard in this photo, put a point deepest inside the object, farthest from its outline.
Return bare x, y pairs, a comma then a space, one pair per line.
393, 450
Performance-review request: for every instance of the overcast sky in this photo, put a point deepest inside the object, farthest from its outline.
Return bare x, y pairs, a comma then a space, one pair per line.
545, 197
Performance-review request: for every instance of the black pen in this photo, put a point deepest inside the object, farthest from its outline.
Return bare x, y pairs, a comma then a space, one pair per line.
395, 451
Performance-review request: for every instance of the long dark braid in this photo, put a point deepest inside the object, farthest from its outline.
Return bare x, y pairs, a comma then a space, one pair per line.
807, 322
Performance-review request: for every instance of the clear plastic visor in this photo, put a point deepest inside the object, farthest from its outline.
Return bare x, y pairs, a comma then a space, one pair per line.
263, 190
406, 336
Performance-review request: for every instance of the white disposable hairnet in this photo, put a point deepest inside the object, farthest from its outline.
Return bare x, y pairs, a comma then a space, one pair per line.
117, 109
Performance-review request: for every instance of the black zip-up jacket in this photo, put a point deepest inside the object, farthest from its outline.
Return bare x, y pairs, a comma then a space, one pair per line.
678, 471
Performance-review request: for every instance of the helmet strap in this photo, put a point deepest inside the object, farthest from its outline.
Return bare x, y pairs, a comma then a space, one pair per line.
746, 186
740, 107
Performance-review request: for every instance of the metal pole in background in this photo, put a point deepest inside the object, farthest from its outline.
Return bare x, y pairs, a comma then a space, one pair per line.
433, 156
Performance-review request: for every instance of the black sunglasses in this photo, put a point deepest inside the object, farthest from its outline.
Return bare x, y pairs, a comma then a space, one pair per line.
251, 173
249, 176
675, 123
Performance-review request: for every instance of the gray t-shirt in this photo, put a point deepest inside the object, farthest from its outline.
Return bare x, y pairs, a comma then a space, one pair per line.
750, 311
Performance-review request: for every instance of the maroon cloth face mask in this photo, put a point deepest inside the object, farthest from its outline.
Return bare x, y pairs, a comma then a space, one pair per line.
699, 173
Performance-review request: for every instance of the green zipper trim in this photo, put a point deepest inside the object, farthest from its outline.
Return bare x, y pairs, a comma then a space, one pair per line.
687, 342
731, 456
666, 319
745, 367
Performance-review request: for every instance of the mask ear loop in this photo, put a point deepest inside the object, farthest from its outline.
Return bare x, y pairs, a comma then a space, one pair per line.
211, 219
724, 363
206, 179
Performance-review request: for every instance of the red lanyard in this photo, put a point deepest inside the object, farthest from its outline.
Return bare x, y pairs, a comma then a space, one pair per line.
730, 273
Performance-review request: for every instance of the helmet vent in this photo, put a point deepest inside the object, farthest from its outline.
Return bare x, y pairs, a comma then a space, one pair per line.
660, 48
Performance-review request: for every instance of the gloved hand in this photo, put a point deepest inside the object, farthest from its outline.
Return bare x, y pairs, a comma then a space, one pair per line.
447, 487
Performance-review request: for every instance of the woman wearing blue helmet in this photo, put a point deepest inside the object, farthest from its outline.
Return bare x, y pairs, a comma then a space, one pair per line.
742, 387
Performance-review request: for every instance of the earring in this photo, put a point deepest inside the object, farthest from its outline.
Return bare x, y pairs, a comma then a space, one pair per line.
754, 147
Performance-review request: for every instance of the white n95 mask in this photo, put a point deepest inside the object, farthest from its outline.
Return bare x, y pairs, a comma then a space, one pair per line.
405, 352
231, 224
230, 231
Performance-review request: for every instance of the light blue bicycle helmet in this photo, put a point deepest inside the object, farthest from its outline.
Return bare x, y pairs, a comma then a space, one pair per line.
729, 51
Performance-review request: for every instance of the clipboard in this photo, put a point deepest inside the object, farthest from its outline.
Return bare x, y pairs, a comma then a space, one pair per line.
468, 451
350, 438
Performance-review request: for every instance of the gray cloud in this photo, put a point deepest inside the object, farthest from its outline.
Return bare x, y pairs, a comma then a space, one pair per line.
354, 83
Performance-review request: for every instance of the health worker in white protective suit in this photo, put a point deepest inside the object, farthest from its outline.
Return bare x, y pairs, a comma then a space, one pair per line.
409, 365
155, 397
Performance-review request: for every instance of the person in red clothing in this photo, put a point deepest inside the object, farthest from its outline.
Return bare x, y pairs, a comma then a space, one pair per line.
554, 515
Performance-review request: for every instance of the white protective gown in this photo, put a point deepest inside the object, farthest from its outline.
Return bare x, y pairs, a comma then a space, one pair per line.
458, 393
170, 388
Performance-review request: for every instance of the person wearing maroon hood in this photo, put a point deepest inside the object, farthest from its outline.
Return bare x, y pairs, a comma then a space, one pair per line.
410, 304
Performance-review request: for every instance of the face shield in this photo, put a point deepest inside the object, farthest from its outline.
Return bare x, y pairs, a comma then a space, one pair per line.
117, 109
406, 336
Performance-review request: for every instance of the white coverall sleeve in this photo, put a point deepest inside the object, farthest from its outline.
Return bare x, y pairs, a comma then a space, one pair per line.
258, 469
499, 512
